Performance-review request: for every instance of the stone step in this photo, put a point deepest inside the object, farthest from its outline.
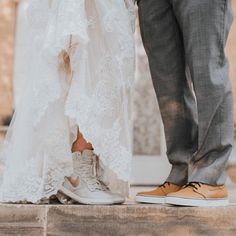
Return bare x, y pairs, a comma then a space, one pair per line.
128, 220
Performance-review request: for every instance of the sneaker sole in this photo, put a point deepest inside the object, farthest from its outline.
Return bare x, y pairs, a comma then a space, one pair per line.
119, 202
84, 201
196, 203
147, 199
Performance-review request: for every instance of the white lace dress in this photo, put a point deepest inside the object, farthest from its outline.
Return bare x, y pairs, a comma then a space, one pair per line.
92, 92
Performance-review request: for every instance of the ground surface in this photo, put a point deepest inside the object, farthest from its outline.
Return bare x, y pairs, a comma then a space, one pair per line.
129, 219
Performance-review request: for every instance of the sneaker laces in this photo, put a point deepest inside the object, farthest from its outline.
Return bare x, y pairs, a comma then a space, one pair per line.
164, 185
104, 186
87, 170
96, 167
194, 185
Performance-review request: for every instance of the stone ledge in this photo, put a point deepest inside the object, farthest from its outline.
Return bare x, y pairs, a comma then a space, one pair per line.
130, 219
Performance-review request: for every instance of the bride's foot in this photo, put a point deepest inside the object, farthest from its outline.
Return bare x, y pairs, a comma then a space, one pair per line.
99, 172
83, 186
86, 187
81, 144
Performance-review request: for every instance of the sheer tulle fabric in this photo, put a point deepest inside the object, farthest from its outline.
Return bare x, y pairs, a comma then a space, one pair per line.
91, 93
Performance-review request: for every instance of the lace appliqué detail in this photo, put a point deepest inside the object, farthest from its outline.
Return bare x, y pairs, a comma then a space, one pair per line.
94, 96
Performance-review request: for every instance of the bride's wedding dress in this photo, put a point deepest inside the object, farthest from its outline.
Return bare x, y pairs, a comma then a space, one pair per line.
91, 92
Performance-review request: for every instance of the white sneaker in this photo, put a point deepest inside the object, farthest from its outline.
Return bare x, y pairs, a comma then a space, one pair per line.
97, 172
117, 198
85, 188
64, 199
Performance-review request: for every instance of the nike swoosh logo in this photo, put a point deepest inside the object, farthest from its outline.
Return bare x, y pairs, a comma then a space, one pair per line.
74, 182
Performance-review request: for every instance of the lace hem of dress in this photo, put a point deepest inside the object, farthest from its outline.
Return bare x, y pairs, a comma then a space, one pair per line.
79, 106
94, 96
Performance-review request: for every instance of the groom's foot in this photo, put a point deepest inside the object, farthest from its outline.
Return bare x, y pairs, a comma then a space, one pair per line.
158, 195
198, 194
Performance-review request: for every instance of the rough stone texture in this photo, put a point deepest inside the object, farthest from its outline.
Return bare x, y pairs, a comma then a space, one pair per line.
140, 220
7, 31
27, 220
126, 220
130, 219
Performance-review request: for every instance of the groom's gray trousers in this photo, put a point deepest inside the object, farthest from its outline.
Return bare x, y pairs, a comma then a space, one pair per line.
185, 41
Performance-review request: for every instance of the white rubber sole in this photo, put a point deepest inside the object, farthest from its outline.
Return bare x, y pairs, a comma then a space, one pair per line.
197, 202
153, 200
118, 202
85, 201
